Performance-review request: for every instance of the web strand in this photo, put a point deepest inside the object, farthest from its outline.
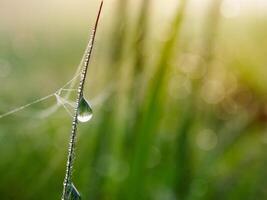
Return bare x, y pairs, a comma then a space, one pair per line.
63, 102
26, 106
20, 108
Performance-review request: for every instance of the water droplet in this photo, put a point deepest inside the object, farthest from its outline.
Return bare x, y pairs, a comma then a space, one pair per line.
72, 192
85, 112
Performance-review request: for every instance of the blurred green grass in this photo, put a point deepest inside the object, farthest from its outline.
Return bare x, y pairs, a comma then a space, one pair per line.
185, 113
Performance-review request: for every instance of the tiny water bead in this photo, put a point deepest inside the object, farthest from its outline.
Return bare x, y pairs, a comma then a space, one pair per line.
85, 112
72, 192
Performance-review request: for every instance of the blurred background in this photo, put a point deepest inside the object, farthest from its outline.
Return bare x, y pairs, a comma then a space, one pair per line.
178, 90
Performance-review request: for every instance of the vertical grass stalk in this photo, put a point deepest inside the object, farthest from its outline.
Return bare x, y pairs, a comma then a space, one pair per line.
71, 149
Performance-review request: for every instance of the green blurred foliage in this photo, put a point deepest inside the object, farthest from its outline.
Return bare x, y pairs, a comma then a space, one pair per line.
180, 102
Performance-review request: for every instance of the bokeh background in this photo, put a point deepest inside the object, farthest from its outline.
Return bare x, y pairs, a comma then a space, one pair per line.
178, 90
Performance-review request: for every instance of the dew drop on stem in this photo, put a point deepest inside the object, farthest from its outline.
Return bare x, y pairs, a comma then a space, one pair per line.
72, 192
85, 112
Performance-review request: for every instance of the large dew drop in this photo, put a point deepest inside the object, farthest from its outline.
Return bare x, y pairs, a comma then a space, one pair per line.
72, 192
85, 112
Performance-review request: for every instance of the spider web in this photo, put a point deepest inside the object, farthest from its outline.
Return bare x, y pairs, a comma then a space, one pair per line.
62, 100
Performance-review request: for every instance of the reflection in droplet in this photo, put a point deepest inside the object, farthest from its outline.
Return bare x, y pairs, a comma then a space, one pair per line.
72, 192
85, 112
